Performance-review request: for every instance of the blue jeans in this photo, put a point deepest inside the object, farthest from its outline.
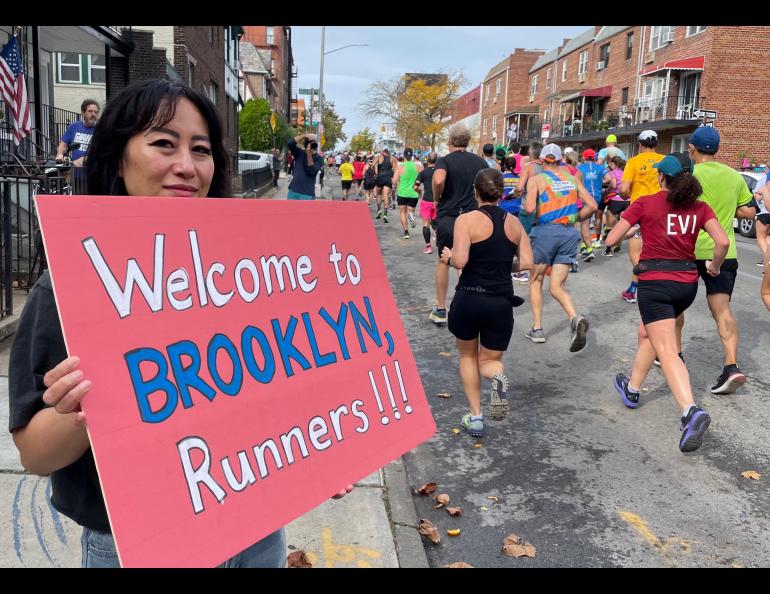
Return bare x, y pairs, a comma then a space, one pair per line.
98, 550
292, 195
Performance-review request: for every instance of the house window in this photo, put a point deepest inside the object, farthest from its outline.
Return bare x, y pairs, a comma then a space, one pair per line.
69, 68
497, 86
694, 30
190, 72
484, 127
533, 91
548, 78
211, 34
604, 54
564, 71
660, 36
583, 65
679, 143
624, 96
494, 126
272, 66
545, 116
486, 93
212, 92
97, 69
270, 35
629, 45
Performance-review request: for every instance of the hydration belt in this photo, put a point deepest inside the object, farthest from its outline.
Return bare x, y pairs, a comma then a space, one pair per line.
664, 266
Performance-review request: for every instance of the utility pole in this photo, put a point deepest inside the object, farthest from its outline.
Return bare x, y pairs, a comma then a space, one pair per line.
321, 92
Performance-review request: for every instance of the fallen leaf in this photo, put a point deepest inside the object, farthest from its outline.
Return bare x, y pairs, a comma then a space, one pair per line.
751, 474
444, 395
493, 498
625, 359
441, 500
484, 508
426, 489
298, 559
445, 354
513, 546
477, 445
454, 511
428, 530
456, 431
457, 565
453, 532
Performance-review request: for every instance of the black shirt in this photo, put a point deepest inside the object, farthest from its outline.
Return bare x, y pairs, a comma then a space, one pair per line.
458, 196
425, 177
37, 348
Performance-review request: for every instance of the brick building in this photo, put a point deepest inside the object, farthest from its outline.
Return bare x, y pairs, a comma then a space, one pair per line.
298, 112
277, 40
623, 80
465, 110
504, 95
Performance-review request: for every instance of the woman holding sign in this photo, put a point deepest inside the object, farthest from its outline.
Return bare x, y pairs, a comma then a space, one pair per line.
156, 138
486, 241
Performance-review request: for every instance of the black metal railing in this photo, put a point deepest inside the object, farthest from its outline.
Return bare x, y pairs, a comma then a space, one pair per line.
251, 179
43, 140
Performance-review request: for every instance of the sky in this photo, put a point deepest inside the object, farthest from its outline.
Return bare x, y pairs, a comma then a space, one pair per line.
393, 51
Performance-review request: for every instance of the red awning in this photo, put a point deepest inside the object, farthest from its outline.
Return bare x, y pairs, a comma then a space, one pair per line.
696, 63
597, 92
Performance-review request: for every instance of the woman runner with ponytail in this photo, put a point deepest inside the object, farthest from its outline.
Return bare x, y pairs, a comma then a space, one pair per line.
670, 221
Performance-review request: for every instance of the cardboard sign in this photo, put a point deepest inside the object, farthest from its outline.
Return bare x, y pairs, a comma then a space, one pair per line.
248, 361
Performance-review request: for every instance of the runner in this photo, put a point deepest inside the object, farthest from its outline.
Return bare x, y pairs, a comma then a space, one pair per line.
570, 163
486, 241
369, 182
552, 196
610, 150
406, 195
511, 201
639, 179
384, 166
338, 160
670, 221
346, 175
613, 201
358, 174
531, 167
488, 151
762, 223
424, 181
725, 191
454, 194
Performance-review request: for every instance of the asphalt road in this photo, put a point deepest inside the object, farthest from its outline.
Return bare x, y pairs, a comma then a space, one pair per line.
584, 479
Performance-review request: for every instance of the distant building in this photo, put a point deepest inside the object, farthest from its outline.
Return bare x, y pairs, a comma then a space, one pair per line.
276, 41
465, 110
298, 112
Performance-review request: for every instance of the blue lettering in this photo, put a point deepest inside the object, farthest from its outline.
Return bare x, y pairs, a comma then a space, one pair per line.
339, 327
220, 341
264, 375
143, 388
187, 377
286, 348
319, 359
371, 327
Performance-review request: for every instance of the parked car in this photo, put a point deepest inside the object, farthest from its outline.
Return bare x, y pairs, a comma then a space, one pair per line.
754, 181
253, 160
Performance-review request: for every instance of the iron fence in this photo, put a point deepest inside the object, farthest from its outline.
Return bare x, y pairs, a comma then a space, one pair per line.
251, 179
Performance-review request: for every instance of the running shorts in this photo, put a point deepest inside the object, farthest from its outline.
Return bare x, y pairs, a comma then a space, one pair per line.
764, 218
347, 184
384, 181
404, 201
445, 233
369, 186
555, 244
725, 282
428, 210
664, 299
486, 317
618, 206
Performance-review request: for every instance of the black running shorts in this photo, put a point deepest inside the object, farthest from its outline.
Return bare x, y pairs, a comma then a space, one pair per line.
664, 299
618, 206
384, 181
445, 233
486, 317
764, 218
410, 202
725, 282
347, 184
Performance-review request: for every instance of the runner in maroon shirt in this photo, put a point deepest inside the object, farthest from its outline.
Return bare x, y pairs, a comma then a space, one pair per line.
668, 282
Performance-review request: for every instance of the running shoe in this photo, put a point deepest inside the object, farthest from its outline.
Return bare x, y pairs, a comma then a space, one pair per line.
379, 214
607, 252
385, 217
498, 405
583, 249
616, 249
575, 267
694, 425
730, 380
629, 296
412, 221
579, 334
589, 256
536, 335
520, 277
427, 250
438, 315
405, 235
761, 264
630, 399
596, 244
475, 428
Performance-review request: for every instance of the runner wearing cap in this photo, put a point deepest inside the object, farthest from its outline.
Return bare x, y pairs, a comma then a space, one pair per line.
671, 220
552, 195
610, 150
406, 195
727, 194
593, 176
639, 179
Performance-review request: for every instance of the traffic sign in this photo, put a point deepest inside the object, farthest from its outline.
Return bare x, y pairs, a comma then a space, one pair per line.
272, 121
703, 113
308, 91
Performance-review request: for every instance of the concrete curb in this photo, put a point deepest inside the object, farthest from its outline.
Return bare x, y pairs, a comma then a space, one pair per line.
403, 516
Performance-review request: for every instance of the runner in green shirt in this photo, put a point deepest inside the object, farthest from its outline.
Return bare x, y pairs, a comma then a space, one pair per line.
406, 196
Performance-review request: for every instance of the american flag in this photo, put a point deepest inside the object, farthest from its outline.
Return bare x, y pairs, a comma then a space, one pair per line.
14, 90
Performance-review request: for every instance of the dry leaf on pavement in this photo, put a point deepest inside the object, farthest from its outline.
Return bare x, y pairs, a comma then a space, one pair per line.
444, 395
298, 559
453, 532
428, 530
513, 546
751, 474
493, 498
484, 508
445, 354
458, 565
454, 511
456, 431
441, 500
426, 489
477, 445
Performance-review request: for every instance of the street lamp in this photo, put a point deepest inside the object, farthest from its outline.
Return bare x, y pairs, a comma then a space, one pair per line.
321, 82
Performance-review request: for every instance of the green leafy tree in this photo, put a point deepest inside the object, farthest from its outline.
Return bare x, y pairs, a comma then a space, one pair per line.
332, 127
254, 119
363, 141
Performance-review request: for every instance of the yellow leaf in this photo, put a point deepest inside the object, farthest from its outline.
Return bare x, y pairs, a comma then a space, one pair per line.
484, 508
453, 532
493, 498
751, 474
455, 431
477, 445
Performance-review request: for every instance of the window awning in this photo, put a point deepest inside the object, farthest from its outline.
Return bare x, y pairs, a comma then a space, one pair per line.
696, 63
597, 92
570, 97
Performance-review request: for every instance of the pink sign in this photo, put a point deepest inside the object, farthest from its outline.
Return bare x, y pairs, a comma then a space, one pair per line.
248, 361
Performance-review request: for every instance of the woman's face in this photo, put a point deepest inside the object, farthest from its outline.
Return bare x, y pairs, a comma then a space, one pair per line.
174, 160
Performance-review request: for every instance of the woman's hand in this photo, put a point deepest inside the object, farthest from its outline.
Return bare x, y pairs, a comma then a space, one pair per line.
446, 255
343, 492
66, 388
711, 269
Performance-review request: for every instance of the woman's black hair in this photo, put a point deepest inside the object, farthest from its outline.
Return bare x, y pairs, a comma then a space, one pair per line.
489, 184
683, 189
510, 163
135, 109
649, 142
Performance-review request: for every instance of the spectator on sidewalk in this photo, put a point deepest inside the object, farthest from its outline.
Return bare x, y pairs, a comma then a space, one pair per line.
307, 165
276, 166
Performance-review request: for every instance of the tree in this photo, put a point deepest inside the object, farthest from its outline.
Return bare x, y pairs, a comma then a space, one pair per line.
419, 107
332, 127
254, 119
363, 141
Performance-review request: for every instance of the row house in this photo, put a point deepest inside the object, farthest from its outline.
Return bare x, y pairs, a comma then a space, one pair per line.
276, 42
465, 110
504, 96
623, 80
298, 111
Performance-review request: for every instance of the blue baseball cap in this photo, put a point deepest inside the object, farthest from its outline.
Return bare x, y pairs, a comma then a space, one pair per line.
705, 138
669, 165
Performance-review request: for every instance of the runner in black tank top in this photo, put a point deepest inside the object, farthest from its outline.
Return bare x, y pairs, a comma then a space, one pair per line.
384, 184
481, 313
